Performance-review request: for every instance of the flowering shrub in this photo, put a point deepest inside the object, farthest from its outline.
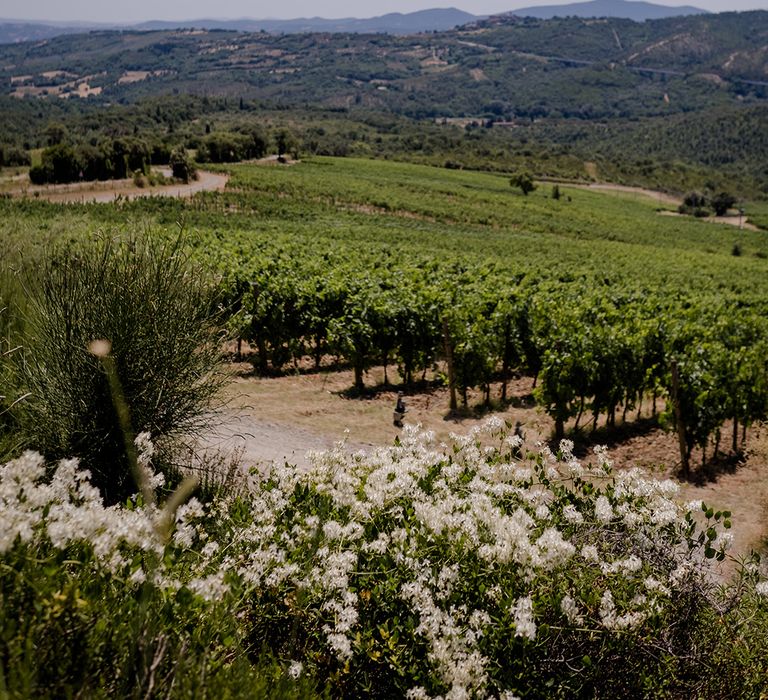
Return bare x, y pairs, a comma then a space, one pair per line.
467, 570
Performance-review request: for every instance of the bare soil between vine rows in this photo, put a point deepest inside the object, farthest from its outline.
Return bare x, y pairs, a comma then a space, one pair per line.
281, 418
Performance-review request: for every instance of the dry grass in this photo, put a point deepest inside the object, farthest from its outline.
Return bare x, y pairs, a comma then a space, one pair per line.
282, 416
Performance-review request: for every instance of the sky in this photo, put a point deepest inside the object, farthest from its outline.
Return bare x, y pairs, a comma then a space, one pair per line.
140, 10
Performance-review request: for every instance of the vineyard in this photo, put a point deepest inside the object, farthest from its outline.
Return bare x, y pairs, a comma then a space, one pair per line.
343, 365
475, 565
608, 305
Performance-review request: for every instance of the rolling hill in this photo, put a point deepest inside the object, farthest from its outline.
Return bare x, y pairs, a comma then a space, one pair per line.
505, 66
627, 9
431, 20
637, 97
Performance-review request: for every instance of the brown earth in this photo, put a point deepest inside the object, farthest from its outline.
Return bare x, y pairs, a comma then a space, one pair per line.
110, 190
665, 199
283, 417
735, 220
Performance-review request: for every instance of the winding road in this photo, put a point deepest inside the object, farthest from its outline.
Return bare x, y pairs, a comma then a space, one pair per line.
112, 190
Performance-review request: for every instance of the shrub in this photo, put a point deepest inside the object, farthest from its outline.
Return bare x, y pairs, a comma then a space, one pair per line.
524, 181
182, 166
156, 309
722, 202
695, 204
12, 156
39, 175
407, 572
87, 610
11, 325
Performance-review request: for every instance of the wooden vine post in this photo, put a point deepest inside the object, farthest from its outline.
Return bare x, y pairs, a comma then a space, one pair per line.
679, 419
449, 360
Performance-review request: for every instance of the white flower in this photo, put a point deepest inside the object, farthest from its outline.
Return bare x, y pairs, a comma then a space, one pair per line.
138, 577
603, 510
295, 669
601, 452
761, 588
724, 541
607, 610
210, 549
655, 586
514, 441
572, 515
479, 619
211, 587
341, 645
570, 609
523, 617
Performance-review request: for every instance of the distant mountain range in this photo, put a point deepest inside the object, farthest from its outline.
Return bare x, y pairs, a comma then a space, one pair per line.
14, 31
393, 23
625, 9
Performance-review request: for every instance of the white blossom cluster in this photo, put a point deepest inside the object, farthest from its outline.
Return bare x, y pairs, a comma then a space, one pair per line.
478, 547
64, 509
544, 546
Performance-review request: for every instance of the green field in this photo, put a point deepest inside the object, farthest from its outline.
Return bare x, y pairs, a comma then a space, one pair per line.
596, 292
364, 205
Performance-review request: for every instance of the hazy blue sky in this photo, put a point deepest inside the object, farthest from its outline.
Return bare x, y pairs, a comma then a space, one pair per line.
137, 10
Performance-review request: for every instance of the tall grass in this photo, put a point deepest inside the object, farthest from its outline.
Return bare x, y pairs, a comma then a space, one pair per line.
158, 312
11, 326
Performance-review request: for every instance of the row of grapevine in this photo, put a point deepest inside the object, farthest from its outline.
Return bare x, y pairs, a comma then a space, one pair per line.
593, 350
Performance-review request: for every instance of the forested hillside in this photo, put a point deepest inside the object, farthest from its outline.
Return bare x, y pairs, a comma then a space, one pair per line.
699, 59
676, 104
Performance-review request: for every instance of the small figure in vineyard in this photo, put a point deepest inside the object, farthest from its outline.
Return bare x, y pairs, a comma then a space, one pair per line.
399, 412
518, 451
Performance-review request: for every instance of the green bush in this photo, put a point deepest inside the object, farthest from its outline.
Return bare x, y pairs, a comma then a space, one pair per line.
182, 166
523, 180
470, 571
13, 156
75, 623
11, 325
156, 309
722, 202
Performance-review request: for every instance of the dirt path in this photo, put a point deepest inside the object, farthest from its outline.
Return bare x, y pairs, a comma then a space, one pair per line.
664, 198
657, 196
736, 220
111, 190
282, 418
253, 441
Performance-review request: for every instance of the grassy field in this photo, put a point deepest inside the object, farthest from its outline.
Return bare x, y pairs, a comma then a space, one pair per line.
370, 206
